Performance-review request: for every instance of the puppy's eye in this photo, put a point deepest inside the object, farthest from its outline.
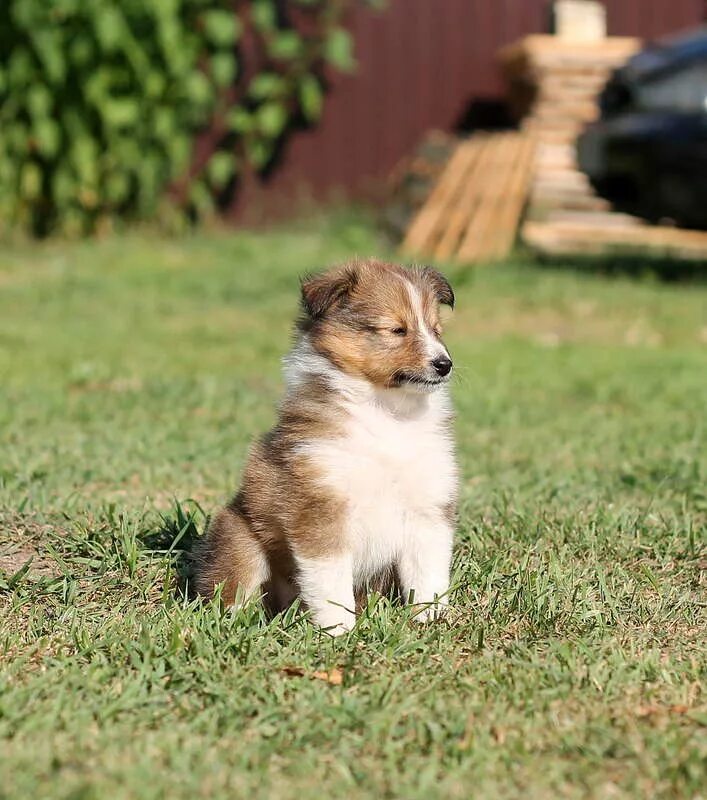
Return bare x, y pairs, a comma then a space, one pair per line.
401, 331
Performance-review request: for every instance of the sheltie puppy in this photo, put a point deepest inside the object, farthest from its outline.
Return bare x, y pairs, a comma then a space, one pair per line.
356, 484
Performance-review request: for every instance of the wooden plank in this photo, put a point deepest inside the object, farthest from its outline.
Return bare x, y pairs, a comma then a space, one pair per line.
460, 180
516, 198
424, 229
459, 216
491, 234
602, 218
475, 244
474, 210
501, 231
571, 238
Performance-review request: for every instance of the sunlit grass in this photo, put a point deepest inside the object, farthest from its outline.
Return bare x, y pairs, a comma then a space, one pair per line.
133, 373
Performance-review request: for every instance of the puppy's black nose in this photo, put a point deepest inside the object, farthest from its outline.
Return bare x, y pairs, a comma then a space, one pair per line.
442, 365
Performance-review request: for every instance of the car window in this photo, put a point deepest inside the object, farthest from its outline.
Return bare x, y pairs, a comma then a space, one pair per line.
685, 90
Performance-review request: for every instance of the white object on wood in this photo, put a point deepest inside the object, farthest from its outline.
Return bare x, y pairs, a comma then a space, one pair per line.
580, 20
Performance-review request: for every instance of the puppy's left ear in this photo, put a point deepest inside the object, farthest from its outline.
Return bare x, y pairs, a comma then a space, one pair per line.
440, 286
320, 292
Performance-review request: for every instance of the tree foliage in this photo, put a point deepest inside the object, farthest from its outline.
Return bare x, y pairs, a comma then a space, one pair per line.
103, 102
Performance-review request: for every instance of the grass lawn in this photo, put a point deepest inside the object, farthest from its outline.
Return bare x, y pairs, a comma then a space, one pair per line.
134, 371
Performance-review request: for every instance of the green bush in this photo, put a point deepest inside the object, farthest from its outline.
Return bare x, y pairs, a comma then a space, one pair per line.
101, 101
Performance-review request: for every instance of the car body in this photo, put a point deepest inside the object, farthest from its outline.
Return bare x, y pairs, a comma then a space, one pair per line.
647, 153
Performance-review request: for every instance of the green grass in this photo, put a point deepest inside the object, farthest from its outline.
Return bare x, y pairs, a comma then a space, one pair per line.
133, 373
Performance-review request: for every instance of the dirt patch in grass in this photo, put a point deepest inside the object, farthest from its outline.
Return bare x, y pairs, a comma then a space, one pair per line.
21, 543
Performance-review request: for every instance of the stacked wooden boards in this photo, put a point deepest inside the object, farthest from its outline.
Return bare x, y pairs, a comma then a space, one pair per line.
477, 200
596, 235
554, 84
473, 211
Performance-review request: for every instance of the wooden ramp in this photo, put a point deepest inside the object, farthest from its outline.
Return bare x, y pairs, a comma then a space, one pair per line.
473, 211
627, 236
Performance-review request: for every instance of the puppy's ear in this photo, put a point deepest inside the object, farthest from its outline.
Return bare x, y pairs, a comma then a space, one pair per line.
320, 292
440, 286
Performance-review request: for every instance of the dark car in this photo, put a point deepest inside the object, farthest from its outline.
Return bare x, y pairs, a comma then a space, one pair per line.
647, 153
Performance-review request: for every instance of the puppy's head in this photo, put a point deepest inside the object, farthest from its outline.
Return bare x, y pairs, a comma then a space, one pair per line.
380, 322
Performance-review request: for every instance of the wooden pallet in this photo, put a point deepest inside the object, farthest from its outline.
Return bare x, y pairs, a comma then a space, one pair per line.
625, 236
473, 211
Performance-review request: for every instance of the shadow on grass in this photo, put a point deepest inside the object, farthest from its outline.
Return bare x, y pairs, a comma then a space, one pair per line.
175, 539
668, 269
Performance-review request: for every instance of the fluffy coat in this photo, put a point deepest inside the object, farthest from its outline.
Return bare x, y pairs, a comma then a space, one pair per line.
356, 484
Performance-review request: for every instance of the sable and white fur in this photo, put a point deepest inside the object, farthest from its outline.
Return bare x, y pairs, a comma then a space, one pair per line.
355, 487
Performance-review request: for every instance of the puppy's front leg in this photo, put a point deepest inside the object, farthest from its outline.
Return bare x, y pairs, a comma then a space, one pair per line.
326, 585
424, 566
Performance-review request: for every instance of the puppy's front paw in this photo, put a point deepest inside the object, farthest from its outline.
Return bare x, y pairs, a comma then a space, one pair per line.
337, 624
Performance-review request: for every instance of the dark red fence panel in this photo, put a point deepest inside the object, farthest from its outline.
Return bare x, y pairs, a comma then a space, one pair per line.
652, 18
421, 64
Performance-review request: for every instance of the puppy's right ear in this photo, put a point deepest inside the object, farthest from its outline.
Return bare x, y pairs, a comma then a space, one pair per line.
440, 285
320, 292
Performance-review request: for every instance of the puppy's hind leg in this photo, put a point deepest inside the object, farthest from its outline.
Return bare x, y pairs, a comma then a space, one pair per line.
230, 554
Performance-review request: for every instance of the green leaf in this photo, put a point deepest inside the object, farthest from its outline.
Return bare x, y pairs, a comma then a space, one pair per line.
154, 83
39, 100
17, 135
48, 135
164, 123
121, 112
239, 120
198, 89
259, 152
109, 25
25, 15
223, 68
221, 168
81, 50
84, 156
285, 45
222, 28
311, 97
179, 151
338, 49
97, 86
20, 68
267, 85
49, 47
15, 579
263, 14
272, 118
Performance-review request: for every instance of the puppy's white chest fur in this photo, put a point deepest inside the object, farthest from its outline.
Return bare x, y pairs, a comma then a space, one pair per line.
394, 466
